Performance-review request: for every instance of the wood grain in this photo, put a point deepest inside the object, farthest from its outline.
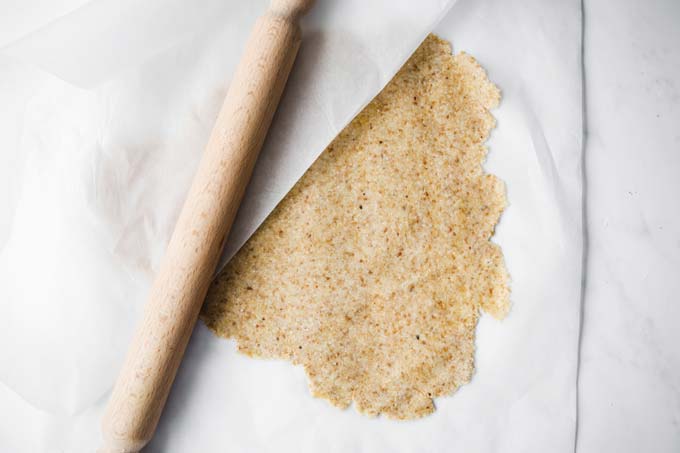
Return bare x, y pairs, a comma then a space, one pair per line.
182, 281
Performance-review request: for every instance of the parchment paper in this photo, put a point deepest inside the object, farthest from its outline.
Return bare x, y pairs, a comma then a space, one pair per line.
97, 150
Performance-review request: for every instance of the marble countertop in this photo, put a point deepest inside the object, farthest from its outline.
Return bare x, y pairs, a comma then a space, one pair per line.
629, 377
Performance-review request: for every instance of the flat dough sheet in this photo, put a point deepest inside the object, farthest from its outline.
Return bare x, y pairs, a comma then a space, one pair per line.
373, 270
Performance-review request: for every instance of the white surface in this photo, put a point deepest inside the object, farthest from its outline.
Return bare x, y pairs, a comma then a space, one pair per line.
629, 397
629, 392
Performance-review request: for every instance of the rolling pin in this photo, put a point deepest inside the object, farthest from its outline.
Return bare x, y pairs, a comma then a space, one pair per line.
187, 268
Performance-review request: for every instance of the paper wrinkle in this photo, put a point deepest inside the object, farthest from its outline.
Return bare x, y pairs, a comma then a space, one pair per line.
551, 176
103, 37
23, 17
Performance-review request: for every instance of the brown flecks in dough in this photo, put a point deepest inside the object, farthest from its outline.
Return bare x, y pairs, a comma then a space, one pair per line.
372, 271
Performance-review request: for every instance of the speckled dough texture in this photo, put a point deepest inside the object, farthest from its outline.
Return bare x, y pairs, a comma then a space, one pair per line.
373, 270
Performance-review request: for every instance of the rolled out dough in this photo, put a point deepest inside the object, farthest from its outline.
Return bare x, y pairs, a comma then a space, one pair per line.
372, 272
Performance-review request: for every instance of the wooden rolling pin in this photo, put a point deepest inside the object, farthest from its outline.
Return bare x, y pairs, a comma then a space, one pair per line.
205, 220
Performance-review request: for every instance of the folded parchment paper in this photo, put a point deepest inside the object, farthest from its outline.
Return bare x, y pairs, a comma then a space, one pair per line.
92, 175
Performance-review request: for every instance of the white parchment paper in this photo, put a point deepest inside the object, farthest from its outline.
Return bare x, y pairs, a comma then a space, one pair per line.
98, 148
